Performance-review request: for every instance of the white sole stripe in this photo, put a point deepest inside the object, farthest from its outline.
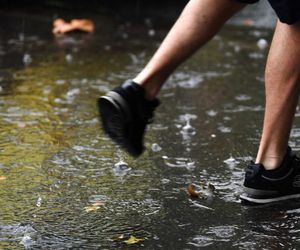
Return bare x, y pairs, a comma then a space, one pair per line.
269, 200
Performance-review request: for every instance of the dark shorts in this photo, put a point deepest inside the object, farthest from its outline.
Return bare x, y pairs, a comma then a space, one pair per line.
288, 11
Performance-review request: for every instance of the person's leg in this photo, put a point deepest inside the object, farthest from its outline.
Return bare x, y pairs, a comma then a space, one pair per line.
126, 110
198, 23
282, 91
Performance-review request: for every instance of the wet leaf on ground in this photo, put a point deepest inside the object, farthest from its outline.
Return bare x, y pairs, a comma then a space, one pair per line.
196, 191
2, 178
133, 240
192, 190
94, 206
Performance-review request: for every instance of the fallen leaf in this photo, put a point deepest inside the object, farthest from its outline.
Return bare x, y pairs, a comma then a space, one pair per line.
91, 208
192, 191
94, 206
2, 178
133, 240
60, 26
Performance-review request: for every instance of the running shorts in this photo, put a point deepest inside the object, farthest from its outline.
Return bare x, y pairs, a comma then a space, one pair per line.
288, 11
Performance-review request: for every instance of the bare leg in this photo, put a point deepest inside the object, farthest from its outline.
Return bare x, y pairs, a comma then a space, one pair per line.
198, 23
282, 78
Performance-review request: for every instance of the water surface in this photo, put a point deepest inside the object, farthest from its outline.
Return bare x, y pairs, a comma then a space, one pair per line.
64, 184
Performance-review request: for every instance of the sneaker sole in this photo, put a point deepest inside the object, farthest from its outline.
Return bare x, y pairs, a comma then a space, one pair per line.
115, 116
245, 197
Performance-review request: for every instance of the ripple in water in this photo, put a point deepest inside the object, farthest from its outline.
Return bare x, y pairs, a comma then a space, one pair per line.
179, 162
121, 169
214, 234
24, 234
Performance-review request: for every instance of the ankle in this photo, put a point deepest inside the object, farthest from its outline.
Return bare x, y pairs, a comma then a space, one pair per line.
270, 162
151, 89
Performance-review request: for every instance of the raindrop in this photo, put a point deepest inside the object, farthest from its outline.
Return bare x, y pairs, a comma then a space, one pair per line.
231, 162
148, 22
151, 32
39, 202
188, 128
27, 59
21, 37
262, 43
107, 47
237, 49
165, 181
69, 58
124, 35
211, 113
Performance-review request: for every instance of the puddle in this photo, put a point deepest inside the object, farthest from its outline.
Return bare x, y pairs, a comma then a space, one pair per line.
64, 184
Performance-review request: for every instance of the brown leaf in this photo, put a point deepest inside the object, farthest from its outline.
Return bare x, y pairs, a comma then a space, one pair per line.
192, 191
60, 26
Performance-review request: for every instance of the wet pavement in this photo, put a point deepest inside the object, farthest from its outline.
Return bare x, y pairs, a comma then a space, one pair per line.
65, 185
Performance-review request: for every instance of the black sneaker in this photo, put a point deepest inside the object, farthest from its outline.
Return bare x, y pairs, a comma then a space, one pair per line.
125, 113
265, 186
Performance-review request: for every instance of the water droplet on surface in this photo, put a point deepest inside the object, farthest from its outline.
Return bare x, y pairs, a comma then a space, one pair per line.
155, 147
60, 82
165, 181
211, 113
224, 129
231, 162
121, 168
188, 128
73, 92
39, 202
190, 166
243, 97
26, 241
